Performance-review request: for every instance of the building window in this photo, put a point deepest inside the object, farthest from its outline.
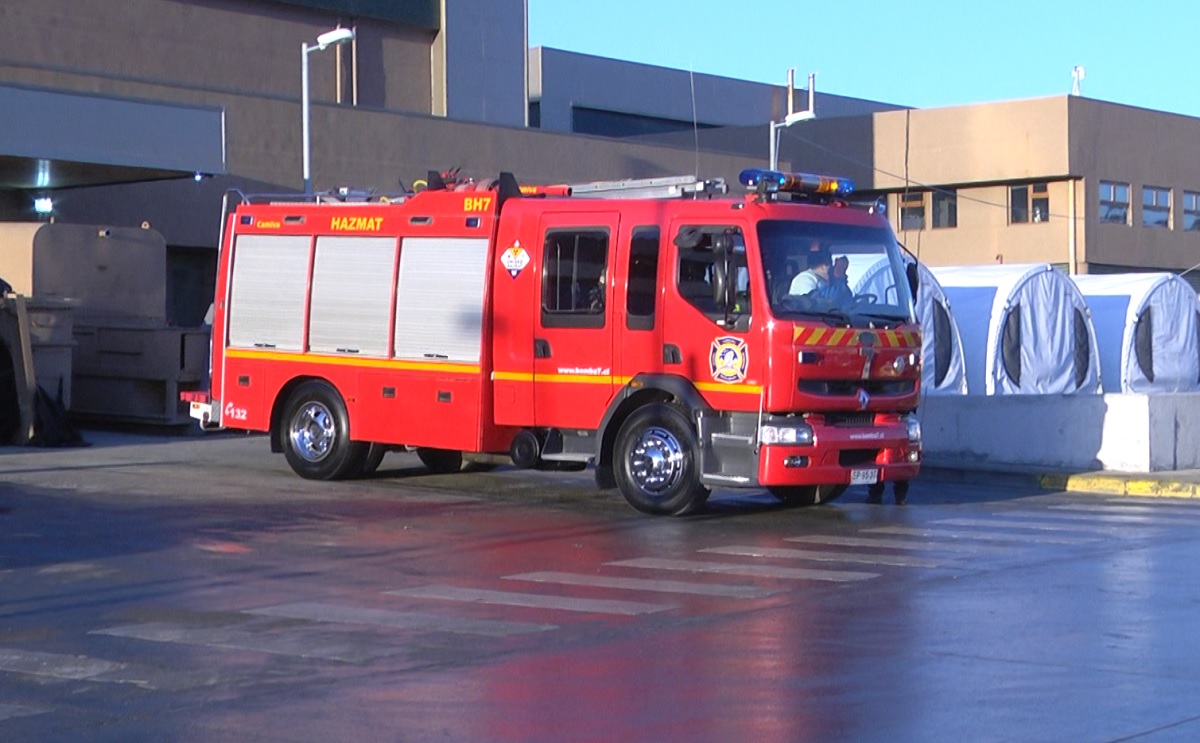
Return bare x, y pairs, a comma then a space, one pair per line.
912, 211
1191, 211
1029, 202
945, 208
1114, 202
1156, 207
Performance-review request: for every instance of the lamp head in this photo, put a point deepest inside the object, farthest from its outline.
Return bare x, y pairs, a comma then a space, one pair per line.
792, 118
334, 37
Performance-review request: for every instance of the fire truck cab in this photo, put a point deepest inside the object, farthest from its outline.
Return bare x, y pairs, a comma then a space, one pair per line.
659, 339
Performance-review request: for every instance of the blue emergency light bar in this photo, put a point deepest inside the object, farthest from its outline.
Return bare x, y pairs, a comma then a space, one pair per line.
770, 181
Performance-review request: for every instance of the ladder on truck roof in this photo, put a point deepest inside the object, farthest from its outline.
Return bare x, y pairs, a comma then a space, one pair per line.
671, 187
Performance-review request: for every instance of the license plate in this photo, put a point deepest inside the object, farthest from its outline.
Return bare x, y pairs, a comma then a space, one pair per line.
864, 477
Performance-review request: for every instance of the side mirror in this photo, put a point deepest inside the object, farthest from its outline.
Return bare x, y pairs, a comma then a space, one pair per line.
914, 279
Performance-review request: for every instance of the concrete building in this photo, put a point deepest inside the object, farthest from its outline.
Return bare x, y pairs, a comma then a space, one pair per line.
585, 94
1090, 186
148, 111
112, 109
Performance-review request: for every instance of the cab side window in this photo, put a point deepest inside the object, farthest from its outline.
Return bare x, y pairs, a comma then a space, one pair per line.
695, 273
642, 294
574, 285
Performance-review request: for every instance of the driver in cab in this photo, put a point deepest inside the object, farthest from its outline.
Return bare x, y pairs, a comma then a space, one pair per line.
824, 277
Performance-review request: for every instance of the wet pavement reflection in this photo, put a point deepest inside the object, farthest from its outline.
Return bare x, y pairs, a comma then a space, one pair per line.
145, 595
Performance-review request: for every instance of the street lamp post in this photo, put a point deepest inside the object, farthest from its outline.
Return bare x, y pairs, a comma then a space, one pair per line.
794, 117
324, 41
788, 120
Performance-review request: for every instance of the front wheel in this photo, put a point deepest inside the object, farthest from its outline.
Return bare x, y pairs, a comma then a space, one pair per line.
316, 435
655, 462
806, 495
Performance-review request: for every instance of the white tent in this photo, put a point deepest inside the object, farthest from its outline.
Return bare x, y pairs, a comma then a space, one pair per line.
943, 371
1146, 327
1026, 329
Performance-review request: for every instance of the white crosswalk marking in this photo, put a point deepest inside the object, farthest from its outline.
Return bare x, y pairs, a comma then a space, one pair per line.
1022, 524
967, 536
54, 665
317, 612
759, 571
9, 711
300, 642
899, 544
806, 554
531, 600
1133, 519
645, 584
1161, 511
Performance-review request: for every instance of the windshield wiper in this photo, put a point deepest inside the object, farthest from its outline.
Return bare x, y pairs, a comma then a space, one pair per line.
893, 319
836, 315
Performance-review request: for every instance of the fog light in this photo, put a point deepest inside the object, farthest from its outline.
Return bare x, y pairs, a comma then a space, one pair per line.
796, 461
914, 455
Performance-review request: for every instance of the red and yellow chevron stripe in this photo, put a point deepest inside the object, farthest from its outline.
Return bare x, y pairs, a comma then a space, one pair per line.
808, 336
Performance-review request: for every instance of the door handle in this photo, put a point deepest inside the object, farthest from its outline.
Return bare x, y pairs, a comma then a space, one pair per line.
541, 348
671, 354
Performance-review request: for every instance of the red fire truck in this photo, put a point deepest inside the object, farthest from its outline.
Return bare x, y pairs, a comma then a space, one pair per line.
647, 327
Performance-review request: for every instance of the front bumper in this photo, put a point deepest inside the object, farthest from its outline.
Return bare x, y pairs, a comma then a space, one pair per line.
843, 456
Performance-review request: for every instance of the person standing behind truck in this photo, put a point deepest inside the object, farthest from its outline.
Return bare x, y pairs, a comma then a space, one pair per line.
899, 489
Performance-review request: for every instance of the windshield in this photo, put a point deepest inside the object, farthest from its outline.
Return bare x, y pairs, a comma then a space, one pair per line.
845, 273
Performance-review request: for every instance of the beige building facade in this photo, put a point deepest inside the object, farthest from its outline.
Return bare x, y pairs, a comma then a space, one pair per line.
1090, 186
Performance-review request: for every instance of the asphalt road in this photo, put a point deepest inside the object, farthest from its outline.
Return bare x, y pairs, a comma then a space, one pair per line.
193, 589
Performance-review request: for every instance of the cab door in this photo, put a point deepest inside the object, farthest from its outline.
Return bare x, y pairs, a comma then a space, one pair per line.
573, 332
637, 323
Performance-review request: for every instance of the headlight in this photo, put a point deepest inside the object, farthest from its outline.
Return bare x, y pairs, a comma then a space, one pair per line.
914, 430
800, 434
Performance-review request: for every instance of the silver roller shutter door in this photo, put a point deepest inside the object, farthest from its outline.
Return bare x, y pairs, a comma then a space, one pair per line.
352, 295
439, 304
266, 305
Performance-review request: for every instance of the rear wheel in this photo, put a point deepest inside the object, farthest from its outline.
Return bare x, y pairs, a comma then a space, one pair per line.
806, 495
655, 462
440, 461
10, 408
373, 459
316, 435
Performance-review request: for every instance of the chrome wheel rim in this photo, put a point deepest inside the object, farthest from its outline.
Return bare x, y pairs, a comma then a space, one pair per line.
313, 432
656, 461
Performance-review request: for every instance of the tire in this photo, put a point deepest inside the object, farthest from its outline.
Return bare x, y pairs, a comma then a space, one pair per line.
807, 495
655, 462
440, 461
316, 435
10, 407
373, 459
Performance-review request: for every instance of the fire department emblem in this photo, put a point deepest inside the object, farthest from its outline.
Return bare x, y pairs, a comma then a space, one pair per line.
515, 259
728, 359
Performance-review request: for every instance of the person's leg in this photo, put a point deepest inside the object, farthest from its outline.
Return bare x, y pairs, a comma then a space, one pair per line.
875, 493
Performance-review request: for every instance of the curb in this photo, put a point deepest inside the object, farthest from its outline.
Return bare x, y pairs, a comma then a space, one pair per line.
1135, 485
1169, 485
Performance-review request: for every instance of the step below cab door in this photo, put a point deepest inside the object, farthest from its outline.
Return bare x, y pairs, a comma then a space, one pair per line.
573, 330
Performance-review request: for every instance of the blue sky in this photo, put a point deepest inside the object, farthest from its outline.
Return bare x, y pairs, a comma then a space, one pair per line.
923, 53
